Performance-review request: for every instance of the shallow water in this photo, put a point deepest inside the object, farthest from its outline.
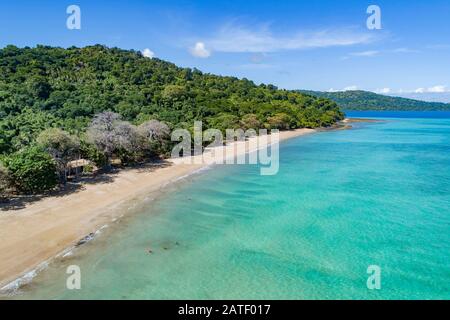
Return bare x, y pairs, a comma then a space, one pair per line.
375, 195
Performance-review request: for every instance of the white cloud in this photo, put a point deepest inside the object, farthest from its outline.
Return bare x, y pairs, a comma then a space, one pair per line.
232, 38
148, 53
437, 89
418, 91
350, 88
370, 53
404, 50
383, 90
200, 51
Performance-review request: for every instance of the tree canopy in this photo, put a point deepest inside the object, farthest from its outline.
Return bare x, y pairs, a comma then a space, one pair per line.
32, 170
94, 102
45, 87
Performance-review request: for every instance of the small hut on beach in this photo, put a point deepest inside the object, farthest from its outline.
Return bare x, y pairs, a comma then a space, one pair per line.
76, 167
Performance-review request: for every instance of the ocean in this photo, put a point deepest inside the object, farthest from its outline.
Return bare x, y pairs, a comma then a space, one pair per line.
375, 195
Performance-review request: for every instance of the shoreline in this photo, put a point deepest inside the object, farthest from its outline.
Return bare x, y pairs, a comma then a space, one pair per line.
31, 237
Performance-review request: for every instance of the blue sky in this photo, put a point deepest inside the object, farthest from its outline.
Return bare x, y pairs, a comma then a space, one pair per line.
319, 45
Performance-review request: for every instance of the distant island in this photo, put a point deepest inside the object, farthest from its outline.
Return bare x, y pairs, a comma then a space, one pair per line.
359, 100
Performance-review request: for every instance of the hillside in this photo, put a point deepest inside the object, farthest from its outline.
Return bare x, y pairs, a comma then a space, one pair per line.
46, 87
364, 100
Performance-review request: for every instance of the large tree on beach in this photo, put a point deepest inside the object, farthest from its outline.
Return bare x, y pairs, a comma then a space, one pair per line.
156, 136
62, 146
112, 136
32, 169
4, 182
102, 132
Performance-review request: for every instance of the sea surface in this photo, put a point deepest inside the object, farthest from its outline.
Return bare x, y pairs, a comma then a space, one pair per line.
375, 195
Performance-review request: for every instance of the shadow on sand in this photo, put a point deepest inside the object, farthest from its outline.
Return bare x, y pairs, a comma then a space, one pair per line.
20, 201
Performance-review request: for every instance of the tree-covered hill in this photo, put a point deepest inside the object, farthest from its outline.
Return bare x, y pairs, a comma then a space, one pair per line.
99, 104
364, 100
46, 87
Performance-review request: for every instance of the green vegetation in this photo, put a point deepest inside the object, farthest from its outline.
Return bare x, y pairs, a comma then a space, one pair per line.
97, 103
364, 100
61, 146
4, 182
32, 170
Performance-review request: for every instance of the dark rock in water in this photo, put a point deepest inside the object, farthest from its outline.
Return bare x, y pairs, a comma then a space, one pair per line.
86, 239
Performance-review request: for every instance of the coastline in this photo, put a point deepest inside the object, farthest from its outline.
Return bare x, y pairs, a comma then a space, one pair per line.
32, 236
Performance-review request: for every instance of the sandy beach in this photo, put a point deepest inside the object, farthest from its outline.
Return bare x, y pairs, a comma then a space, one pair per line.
43, 229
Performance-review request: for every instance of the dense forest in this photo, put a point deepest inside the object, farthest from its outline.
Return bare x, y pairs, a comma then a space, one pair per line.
96, 103
364, 100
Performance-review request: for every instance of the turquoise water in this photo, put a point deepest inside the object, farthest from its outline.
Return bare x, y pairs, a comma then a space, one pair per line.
375, 195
